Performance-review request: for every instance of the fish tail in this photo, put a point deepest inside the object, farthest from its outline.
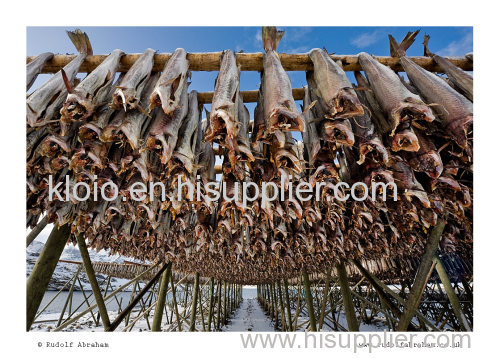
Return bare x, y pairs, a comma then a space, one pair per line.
81, 41
399, 50
271, 38
427, 53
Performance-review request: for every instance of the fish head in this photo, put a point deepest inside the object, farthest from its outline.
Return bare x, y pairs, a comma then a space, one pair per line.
412, 109
405, 140
338, 130
373, 150
285, 120
59, 163
431, 164
344, 104
111, 134
76, 108
459, 129
125, 98
88, 131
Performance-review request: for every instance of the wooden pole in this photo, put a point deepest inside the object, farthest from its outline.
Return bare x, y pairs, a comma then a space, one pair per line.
282, 308
36, 231
196, 291
288, 309
455, 303
219, 304
423, 273
352, 322
275, 302
162, 296
174, 303
310, 306
325, 297
93, 281
132, 294
136, 300
211, 304
39, 279
70, 294
248, 62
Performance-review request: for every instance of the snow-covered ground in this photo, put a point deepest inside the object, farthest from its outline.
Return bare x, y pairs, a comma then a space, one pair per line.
248, 317
64, 271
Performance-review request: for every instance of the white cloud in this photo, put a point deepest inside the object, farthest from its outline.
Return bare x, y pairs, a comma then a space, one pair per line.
300, 49
297, 33
257, 40
367, 38
458, 47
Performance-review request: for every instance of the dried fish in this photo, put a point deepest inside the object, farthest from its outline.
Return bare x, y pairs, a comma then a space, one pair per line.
280, 112
34, 68
84, 99
455, 110
43, 105
170, 86
128, 93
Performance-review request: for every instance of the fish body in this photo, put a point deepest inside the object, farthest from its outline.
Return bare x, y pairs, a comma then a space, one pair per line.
369, 140
135, 118
334, 88
223, 124
337, 130
128, 94
457, 76
455, 110
170, 86
280, 111
426, 159
186, 144
42, 106
84, 99
34, 68
312, 142
101, 118
164, 130
398, 103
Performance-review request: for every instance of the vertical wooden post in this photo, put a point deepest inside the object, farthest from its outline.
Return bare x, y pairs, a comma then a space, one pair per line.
288, 309
132, 294
350, 314
309, 300
423, 273
174, 303
219, 303
275, 306
225, 302
196, 291
325, 297
211, 304
455, 303
162, 296
39, 279
282, 308
93, 281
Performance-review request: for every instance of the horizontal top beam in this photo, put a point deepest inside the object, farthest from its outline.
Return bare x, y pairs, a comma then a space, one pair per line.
249, 62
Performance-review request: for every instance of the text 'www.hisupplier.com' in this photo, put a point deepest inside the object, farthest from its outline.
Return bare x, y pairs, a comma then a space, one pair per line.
356, 341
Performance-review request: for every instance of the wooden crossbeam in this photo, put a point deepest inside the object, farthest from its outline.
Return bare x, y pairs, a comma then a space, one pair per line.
248, 61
